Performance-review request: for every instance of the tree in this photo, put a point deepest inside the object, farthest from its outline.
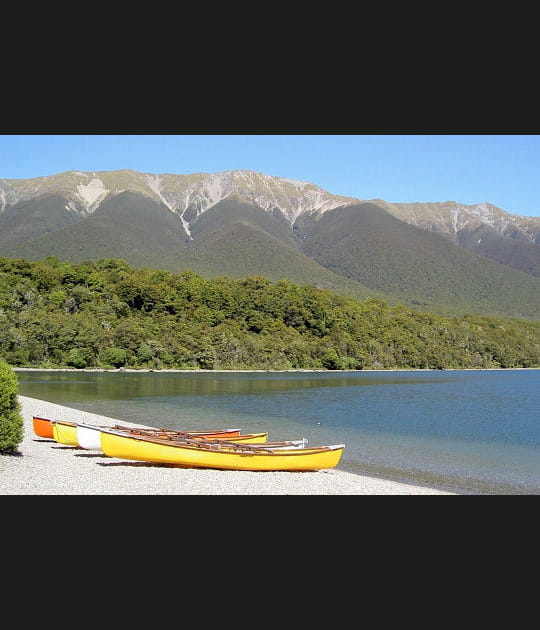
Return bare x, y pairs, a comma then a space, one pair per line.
116, 356
11, 420
105, 314
76, 358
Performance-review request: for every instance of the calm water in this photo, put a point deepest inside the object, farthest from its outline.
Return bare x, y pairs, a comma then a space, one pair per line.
468, 431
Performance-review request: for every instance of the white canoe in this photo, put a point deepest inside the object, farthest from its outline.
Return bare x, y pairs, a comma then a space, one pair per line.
88, 436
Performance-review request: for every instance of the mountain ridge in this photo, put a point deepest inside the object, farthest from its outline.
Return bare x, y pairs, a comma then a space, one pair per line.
237, 221
179, 192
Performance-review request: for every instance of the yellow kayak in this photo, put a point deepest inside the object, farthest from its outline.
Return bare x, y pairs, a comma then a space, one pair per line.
229, 456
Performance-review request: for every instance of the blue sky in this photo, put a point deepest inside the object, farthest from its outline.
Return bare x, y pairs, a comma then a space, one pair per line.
501, 169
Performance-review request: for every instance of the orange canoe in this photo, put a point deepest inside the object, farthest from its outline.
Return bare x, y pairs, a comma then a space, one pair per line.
43, 427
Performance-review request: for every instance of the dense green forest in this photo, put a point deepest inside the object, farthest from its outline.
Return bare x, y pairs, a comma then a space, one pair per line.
106, 314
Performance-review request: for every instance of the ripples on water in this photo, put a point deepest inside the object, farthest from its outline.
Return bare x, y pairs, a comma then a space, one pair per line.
467, 431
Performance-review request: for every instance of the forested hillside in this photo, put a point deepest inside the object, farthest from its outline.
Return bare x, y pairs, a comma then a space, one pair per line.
106, 314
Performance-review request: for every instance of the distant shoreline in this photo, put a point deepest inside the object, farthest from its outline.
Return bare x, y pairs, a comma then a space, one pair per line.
247, 371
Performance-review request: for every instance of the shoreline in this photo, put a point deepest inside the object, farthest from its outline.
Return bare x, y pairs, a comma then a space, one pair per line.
42, 466
248, 371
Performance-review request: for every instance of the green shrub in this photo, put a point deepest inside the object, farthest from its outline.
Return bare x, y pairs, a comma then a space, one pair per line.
76, 358
11, 420
116, 356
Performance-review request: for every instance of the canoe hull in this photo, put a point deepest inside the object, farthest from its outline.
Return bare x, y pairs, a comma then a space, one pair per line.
42, 427
139, 449
65, 433
88, 437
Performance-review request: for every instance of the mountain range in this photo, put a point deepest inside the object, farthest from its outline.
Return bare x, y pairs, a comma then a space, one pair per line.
444, 257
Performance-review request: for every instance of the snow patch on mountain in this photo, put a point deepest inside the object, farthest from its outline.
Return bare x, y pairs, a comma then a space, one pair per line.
92, 194
2, 200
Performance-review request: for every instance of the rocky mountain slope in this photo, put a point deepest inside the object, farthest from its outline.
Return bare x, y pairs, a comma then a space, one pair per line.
484, 228
442, 256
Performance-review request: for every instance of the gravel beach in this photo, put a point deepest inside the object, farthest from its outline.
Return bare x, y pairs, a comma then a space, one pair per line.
43, 466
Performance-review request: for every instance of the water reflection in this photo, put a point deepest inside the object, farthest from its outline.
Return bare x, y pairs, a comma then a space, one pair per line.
113, 385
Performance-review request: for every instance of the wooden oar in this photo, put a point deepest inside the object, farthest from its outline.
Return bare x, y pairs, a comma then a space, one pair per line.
165, 432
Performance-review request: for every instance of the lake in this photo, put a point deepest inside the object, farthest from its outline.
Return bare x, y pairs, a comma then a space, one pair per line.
469, 431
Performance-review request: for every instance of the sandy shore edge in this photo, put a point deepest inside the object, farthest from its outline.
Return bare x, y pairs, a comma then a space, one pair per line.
45, 467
